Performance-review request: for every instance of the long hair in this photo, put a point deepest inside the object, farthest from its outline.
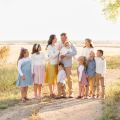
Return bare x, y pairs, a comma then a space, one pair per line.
22, 53
84, 61
35, 48
51, 38
90, 42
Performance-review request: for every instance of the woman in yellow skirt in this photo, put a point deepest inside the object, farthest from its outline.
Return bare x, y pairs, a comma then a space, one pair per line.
52, 66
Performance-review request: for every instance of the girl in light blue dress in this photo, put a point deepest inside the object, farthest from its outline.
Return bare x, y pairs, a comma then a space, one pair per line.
24, 73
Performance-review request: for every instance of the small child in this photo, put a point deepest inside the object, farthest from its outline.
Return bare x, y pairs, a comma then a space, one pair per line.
38, 69
100, 73
24, 73
61, 82
82, 77
65, 49
91, 72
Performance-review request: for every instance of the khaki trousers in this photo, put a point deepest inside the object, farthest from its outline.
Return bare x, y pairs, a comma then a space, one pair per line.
91, 81
68, 71
61, 89
100, 85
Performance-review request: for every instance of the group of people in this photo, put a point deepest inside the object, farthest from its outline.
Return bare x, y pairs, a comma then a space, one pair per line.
54, 67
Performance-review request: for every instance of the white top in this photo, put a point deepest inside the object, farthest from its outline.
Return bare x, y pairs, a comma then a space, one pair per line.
20, 62
38, 59
61, 76
80, 71
86, 52
65, 50
52, 53
100, 66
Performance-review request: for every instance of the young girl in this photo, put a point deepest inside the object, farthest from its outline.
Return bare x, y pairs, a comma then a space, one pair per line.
24, 73
82, 77
38, 69
87, 48
91, 72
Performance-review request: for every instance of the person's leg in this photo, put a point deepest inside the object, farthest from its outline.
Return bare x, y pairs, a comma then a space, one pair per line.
22, 89
50, 89
69, 80
90, 85
97, 84
82, 91
26, 90
59, 89
102, 92
39, 90
86, 90
35, 90
63, 90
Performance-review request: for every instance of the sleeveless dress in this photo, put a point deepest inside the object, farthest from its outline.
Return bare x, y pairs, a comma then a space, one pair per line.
26, 70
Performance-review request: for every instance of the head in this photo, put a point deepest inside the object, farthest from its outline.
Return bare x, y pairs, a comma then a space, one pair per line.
52, 40
82, 60
88, 43
92, 54
23, 53
63, 37
67, 44
100, 53
60, 66
36, 48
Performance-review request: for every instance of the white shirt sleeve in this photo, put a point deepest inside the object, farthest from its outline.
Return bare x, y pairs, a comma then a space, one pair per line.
19, 67
104, 68
80, 71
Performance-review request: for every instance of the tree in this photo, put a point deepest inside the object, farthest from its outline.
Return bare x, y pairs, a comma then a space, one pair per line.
111, 9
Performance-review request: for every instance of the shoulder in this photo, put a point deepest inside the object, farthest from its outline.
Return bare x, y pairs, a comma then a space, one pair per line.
81, 67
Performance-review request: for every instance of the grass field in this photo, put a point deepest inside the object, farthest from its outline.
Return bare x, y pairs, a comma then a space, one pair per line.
9, 93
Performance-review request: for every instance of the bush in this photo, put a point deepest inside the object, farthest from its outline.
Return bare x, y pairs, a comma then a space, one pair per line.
4, 52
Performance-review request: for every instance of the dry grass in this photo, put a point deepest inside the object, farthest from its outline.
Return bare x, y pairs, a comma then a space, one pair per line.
9, 93
110, 110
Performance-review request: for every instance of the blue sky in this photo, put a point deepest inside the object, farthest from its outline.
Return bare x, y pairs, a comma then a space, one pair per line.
37, 19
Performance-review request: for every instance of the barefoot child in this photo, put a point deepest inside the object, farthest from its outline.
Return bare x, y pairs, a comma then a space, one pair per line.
38, 69
100, 73
24, 73
82, 77
91, 73
61, 82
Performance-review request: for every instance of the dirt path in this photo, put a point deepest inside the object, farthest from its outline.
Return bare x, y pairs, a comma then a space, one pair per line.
71, 109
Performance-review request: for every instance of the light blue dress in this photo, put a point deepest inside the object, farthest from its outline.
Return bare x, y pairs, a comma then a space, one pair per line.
26, 70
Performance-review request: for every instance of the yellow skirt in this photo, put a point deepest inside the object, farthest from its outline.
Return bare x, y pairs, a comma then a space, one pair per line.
51, 74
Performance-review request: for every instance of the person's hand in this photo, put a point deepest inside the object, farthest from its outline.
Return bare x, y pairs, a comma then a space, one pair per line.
23, 77
62, 56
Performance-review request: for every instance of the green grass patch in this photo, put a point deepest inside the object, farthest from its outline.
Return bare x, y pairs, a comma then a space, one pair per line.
113, 62
111, 101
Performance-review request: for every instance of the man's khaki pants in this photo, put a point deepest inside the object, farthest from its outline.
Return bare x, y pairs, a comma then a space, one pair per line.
68, 71
100, 85
61, 89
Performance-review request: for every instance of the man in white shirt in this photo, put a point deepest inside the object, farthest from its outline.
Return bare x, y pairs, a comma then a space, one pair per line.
100, 73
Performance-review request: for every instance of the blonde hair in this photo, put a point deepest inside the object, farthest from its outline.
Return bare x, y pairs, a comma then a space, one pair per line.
84, 60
